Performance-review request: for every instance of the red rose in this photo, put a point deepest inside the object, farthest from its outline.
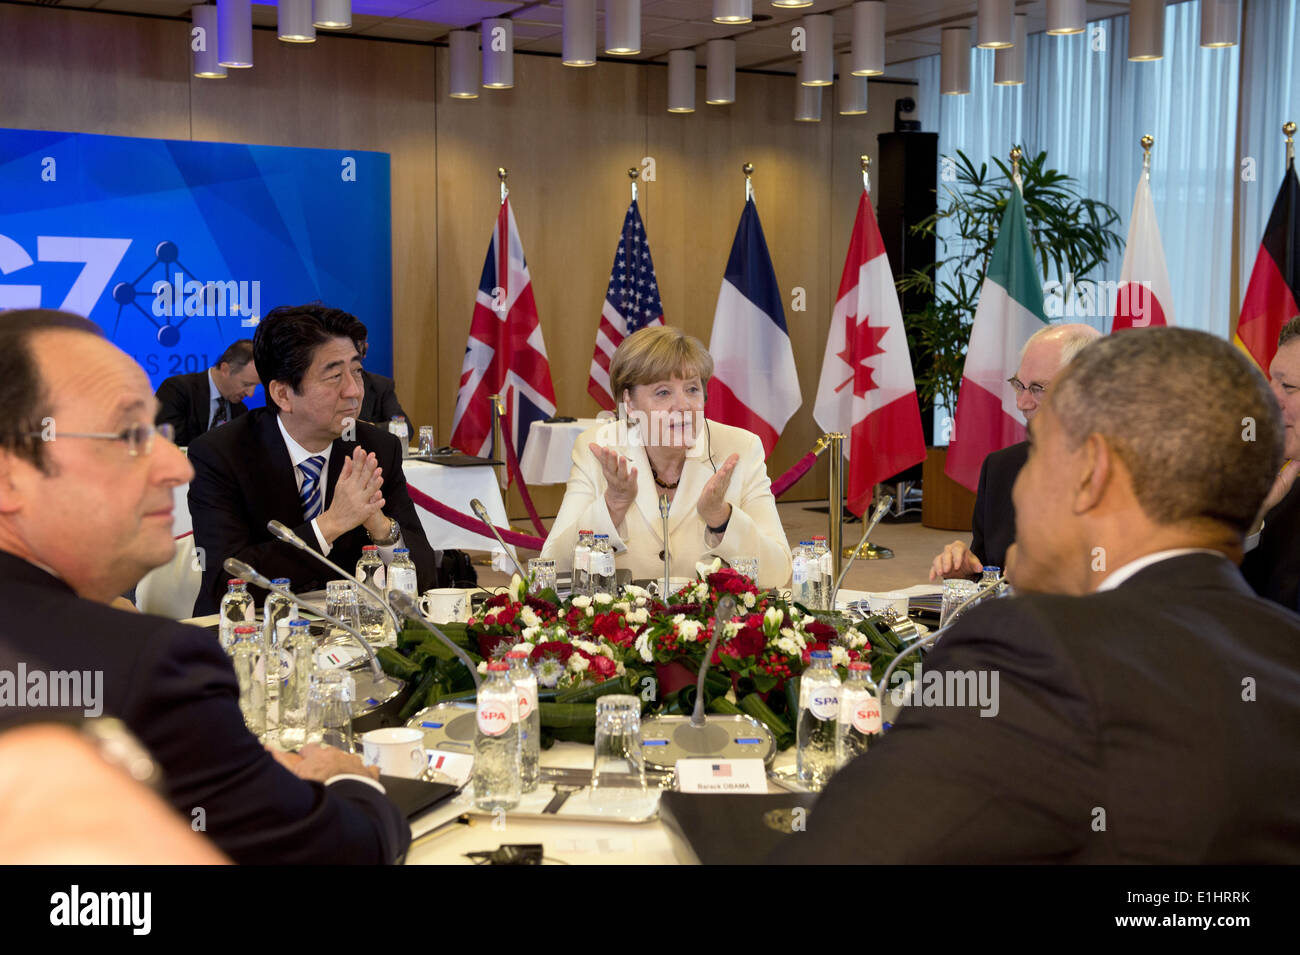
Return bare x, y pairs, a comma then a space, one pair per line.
731, 582
497, 600
748, 643
821, 632
600, 665
575, 616
561, 651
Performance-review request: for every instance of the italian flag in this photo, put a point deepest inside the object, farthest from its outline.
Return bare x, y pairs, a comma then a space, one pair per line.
1010, 310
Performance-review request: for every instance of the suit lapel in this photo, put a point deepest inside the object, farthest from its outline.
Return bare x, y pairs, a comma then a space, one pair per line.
200, 404
281, 477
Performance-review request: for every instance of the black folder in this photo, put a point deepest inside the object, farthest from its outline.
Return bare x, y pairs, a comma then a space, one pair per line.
725, 829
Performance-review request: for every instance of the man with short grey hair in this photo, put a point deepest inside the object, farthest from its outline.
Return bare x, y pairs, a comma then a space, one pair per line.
993, 524
1145, 703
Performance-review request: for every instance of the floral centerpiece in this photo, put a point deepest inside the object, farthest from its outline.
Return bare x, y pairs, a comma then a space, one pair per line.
584, 647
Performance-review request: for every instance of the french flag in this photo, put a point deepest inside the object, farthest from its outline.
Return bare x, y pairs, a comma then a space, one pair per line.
755, 385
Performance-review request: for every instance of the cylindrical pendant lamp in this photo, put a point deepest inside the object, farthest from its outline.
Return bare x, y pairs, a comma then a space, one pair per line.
954, 61
293, 21
994, 24
852, 89
623, 27
720, 72
733, 11
1009, 62
1220, 22
333, 15
464, 64
498, 41
681, 81
1065, 17
869, 38
207, 62
579, 33
818, 62
1146, 30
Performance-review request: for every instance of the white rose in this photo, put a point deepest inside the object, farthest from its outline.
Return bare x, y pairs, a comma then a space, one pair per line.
642, 647
689, 629
839, 656
586, 646
730, 629
591, 611
603, 598
529, 633
748, 600
482, 668
530, 618
788, 646
582, 601
856, 639
524, 647
578, 663
621, 606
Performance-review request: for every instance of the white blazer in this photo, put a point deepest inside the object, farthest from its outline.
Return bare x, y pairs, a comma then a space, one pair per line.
754, 529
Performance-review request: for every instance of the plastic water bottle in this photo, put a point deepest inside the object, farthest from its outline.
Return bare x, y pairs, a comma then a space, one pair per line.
859, 719
371, 571
292, 716
582, 563
602, 566
497, 751
398, 427
800, 584
250, 671
530, 719
988, 576
817, 574
237, 609
275, 608
401, 573
819, 710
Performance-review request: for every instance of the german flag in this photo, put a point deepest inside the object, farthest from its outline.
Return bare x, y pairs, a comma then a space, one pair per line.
1273, 295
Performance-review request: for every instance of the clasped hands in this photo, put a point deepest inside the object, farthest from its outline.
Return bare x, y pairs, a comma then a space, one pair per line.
621, 487
358, 499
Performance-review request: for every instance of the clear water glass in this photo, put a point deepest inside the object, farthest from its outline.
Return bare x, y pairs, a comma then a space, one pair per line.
955, 591
618, 772
329, 709
747, 566
426, 439
541, 571
341, 601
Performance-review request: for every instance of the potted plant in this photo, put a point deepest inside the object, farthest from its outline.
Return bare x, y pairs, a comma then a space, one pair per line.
1072, 235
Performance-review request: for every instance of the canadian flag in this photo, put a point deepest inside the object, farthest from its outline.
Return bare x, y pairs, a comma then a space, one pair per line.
867, 390
1144, 297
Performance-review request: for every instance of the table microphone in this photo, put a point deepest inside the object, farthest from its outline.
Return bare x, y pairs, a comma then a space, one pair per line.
663, 512
243, 571
721, 617
405, 604
879, 512
929, 638
481, 512
289, 537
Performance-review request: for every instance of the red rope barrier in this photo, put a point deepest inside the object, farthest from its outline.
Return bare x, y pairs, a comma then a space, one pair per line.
512, 462
464, 521
788, 479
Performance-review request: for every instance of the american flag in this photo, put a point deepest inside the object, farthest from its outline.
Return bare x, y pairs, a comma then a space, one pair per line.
631, 303
721, 769
505, 353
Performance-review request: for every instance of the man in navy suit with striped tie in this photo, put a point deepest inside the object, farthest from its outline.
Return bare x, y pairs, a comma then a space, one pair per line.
304, 460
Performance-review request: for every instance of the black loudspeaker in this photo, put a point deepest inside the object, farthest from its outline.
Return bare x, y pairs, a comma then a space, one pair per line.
906, 175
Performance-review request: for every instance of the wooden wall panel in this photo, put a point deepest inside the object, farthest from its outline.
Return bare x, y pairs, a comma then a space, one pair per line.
566, 135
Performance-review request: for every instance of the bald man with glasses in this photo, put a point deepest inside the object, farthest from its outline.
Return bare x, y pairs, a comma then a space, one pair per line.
993, 525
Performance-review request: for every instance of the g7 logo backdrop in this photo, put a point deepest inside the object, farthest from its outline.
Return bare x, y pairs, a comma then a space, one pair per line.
178, 248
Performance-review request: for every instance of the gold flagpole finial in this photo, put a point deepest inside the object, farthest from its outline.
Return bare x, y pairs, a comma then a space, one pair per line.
865, 162
1147, 142
1015, 167
502, 174
1288, 130
633, 173
748, 170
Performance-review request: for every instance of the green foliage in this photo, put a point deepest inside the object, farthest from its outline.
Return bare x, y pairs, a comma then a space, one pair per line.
1072, 235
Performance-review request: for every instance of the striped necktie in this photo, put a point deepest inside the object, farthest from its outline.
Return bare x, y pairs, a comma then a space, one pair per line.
311, 490
223, 412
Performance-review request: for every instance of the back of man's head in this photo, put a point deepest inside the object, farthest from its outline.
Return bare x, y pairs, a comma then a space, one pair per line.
23, 396
288, 336
1188, 414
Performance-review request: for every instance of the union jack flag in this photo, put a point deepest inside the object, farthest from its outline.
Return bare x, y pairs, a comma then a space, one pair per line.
631, 303
505, 353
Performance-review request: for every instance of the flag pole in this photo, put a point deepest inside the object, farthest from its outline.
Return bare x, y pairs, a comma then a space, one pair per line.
865, 162
498, 438
632, 173
1015, 169
835, 498
502, 173
1288, 130
1147, 142
748, 170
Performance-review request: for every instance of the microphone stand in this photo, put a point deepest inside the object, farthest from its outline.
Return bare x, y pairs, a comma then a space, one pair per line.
721, 615
481, 513
246, 572
405, 604
663, 513
932, 637
879, 512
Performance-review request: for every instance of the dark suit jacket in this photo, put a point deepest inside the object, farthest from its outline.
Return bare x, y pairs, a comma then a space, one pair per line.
380, 402
243, 478
184, 402
1171, 704
993, 525
1273, 567
175, 690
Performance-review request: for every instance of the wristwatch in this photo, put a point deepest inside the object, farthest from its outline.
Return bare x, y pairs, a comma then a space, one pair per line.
393, 536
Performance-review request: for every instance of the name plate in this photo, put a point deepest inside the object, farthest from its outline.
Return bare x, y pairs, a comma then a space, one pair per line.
721, 776
456, 766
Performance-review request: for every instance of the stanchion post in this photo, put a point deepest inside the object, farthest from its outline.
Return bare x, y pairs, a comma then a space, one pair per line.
498, 439
835, 498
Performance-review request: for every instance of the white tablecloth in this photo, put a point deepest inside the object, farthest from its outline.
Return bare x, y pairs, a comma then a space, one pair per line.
548, 455
455, 487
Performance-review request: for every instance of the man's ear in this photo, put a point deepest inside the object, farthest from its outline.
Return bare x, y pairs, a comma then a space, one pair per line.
11, 482
1096, 471
280, 393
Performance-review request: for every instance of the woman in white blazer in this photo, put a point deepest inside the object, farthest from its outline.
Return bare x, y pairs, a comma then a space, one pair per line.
713, 475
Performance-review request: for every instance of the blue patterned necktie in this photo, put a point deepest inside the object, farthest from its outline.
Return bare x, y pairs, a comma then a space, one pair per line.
311, 490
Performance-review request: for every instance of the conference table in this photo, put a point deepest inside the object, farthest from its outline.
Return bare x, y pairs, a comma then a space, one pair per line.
453, 486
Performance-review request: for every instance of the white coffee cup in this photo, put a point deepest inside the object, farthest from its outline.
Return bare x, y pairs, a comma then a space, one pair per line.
445, 605
396, 750
888, 601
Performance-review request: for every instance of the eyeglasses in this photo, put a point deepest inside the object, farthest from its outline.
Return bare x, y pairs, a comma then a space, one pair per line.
1036, 390
138, 437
